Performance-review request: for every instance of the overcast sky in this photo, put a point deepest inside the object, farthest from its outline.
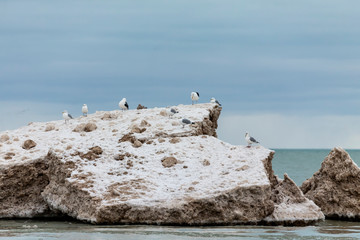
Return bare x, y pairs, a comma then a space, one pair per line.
286, 71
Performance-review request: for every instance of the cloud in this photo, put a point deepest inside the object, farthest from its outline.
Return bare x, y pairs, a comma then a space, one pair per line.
322, 65
298, 58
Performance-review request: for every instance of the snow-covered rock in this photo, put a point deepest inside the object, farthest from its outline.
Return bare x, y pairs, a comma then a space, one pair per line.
140, 166
140, 189
291, 206
335, 186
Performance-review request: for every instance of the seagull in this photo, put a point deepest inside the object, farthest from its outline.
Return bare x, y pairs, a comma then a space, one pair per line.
185, 121
213, 100
250, 140
194, 97
85, 110
66, 116
172, 111
123, 104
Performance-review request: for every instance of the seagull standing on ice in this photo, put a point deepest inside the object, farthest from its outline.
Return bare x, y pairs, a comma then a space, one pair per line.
213, 100
185, 121
123, 104
195, 97
85, 110
250, 140
172, 111
66, 116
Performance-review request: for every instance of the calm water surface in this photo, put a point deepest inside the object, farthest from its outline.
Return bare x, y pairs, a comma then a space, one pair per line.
299, 164
32, 229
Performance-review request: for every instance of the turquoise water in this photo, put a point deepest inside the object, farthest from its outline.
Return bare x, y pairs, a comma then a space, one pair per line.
299, 164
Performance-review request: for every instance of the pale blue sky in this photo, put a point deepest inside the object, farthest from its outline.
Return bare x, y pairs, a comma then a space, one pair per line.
290, 59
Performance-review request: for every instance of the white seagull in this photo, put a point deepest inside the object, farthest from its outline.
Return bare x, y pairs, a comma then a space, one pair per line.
195, 97
213, 100
85, 110
123, 104
250, 140
66, 116
172, 112
185, 121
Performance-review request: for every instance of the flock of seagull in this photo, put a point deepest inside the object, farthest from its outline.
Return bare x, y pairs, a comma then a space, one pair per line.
123, 105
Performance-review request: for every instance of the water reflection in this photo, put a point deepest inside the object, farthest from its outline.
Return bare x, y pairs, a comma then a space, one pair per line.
339, 228
34, 229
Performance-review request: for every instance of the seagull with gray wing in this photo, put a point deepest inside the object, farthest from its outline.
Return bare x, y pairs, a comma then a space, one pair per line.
185, 122
172, 112
213, 100
66, 116
250, 140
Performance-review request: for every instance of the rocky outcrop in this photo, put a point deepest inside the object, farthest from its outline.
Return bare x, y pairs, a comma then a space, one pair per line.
335, 186
24, 161
70, 194
194, 202
140, 166
209, 125
149, 185
242, 205
269, 170
123, 203
20, 189
291, 206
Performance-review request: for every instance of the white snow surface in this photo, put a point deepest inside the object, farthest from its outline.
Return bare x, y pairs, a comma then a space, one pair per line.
306, 211
107, 134
206, 165
148, 182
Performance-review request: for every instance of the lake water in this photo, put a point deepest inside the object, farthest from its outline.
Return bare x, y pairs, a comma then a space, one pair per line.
299, 164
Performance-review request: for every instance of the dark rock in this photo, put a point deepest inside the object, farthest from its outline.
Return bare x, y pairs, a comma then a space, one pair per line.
335, 186
139, 107
29, 144
169, 162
